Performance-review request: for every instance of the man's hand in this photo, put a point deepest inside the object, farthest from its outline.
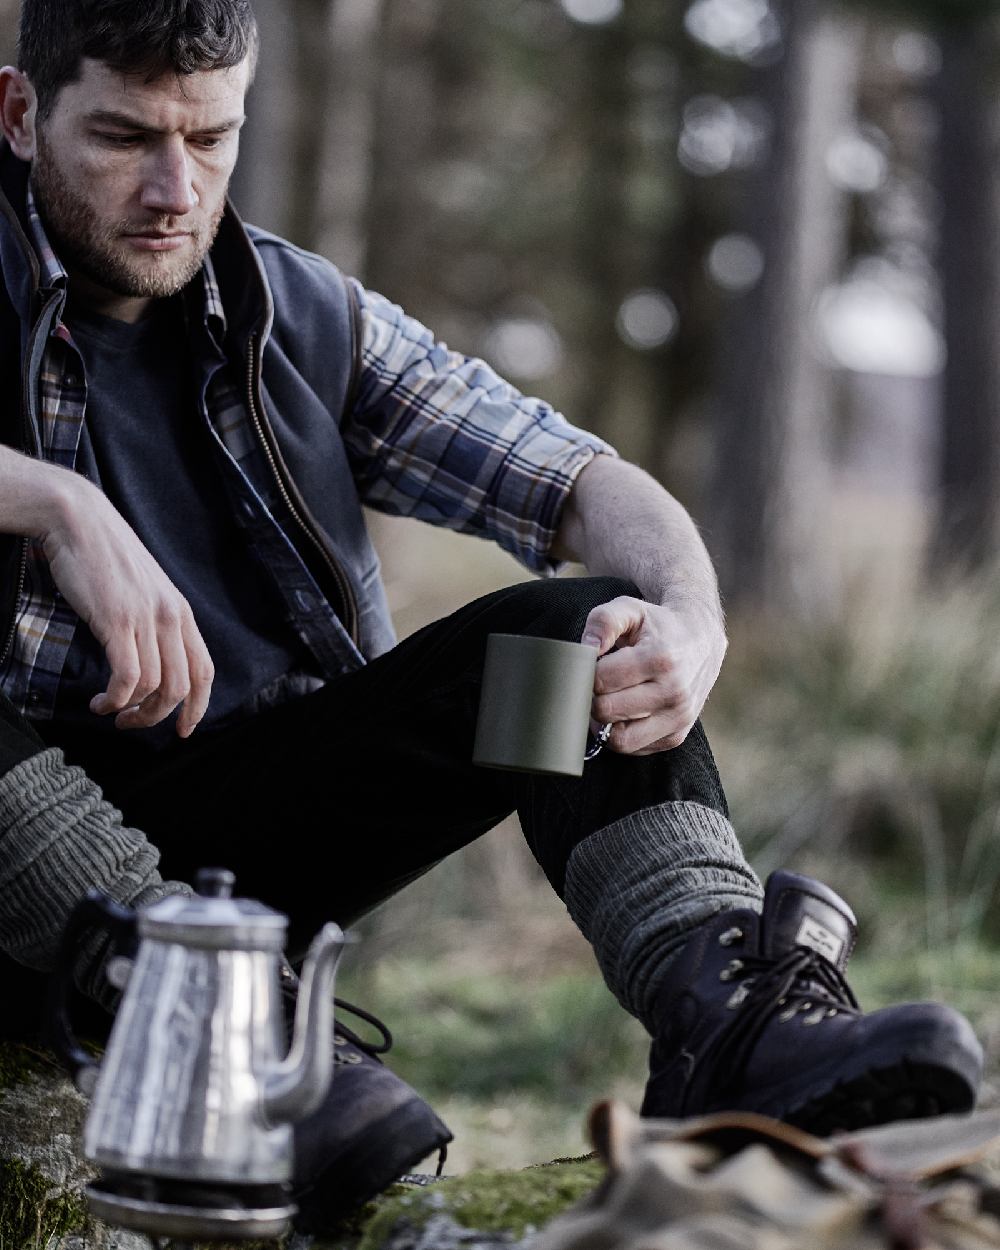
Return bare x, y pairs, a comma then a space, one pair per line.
158, 658
656, 670
660, 655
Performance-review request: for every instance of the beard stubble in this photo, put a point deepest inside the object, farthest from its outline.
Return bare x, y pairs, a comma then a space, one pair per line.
95, 248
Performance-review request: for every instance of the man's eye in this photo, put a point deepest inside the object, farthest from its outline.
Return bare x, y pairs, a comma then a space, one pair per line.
121, 141
207, 143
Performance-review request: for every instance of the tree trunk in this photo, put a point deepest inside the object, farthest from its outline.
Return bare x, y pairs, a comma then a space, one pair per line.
304, 167
260, 183
400, 211
771, 489
342, 217
309, 81
603, 120
969, 161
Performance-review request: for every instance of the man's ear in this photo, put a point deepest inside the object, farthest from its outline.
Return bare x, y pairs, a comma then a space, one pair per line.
18, 112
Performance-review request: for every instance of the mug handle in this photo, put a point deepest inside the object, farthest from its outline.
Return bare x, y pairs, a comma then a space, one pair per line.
94, 910
597, 742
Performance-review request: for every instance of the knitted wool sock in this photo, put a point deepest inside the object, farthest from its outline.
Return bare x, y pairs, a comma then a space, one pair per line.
638, 887
58, 839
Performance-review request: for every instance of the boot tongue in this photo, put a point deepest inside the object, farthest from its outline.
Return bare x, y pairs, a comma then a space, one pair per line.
801, 912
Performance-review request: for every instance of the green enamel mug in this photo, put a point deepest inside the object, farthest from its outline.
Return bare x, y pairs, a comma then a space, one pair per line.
534, 706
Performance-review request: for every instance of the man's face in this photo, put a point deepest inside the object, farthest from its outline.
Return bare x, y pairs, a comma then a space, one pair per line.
131, 176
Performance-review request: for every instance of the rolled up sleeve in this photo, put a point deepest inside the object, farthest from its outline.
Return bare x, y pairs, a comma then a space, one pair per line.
442, 437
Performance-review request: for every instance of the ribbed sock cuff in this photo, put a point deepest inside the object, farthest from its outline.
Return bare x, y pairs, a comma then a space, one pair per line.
58, 839
638, 887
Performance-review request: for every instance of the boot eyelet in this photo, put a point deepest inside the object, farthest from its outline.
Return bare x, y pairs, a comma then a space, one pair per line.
351, 1057
732, 969
730, 936
338, 1040
789, 1013
816, 1016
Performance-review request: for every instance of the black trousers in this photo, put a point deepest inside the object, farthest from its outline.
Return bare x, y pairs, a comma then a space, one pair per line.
373, 774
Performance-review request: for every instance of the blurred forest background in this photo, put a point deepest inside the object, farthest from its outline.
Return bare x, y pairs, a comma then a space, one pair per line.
756, 245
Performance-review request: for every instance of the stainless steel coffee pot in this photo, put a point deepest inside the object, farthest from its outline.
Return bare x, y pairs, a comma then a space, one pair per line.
192, 1105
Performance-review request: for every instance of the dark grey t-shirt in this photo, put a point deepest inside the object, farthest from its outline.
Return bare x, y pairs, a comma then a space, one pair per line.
157, 464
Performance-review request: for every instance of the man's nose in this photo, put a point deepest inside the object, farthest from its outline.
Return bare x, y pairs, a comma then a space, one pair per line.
168, 186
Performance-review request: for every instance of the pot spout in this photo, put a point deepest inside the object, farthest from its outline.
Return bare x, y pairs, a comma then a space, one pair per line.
297, 1085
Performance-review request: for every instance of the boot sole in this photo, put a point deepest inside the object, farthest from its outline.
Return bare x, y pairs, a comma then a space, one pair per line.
368, 1166
910, 1075
905, 1091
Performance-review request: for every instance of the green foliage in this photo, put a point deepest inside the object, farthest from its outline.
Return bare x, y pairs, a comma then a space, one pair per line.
562, 1038
875, 740
33, 1210
964, 973
494, 1202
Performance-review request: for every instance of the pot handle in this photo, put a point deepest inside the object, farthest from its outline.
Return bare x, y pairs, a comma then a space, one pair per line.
95, 910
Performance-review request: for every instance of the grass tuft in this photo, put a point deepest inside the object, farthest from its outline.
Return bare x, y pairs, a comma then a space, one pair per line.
874, 740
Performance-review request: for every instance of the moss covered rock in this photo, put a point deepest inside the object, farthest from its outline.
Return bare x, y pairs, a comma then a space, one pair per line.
42, 1170
43, 1176
483, 1208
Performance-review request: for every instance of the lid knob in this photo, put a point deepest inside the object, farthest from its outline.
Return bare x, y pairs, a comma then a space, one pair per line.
214, 882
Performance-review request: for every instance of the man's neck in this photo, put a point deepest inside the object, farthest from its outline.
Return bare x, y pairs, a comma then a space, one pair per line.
94, 298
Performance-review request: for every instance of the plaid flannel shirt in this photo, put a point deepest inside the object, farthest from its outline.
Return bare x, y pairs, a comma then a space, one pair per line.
432, 434
440, 436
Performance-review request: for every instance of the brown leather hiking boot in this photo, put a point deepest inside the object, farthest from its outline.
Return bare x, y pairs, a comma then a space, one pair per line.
756, 1015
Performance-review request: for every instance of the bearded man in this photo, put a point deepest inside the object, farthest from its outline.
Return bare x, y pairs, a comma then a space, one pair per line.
196, 413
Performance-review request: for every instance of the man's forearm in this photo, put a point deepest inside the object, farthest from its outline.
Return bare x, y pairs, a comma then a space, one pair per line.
156, 654
33, 494
620, 521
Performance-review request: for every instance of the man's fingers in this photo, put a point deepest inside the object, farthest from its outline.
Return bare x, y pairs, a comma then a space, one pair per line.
202, 673
609, 622
149, 667
631, 666
174, 683
646, 736
176, 679
645, 699
126, 673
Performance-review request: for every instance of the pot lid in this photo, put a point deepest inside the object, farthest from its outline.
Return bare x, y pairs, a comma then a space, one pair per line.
212, 918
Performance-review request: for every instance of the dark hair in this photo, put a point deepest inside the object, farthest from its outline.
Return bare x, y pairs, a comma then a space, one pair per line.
149, 37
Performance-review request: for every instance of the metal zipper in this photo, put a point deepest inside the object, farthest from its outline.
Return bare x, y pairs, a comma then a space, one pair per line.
343, 586
22, 572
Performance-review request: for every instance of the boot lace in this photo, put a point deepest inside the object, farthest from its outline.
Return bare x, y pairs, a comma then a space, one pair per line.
369, 1048
799, 981
341, 1034
290, 990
